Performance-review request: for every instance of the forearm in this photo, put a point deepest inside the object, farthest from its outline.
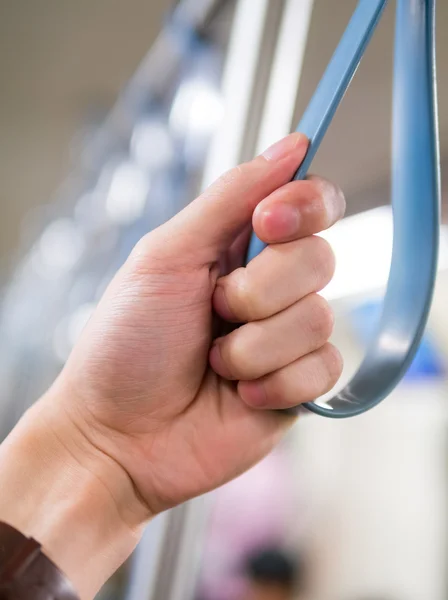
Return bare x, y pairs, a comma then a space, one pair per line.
77, 502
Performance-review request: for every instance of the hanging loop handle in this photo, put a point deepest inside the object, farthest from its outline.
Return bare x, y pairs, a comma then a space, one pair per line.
415, 191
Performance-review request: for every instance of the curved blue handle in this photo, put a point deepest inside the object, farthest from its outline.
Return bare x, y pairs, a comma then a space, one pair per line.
415, 191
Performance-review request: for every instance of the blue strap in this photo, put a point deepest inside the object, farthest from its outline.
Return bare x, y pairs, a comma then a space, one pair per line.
415, 191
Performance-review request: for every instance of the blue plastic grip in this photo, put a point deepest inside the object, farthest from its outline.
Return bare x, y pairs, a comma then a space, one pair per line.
415, 191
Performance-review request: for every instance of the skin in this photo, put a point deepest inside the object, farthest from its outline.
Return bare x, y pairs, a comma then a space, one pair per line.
155, 405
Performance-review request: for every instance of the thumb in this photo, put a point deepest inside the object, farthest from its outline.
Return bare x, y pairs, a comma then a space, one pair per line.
207, 227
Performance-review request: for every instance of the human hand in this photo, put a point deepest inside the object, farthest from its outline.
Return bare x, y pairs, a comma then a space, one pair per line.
143, 384
151, 402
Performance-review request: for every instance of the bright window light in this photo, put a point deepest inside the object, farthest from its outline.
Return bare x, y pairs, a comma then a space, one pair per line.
197, 109
59, 249
151, 145
127, 194
363, 248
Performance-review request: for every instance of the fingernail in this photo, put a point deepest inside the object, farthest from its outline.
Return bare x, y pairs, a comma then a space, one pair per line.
281, 220
284, 147
253, 393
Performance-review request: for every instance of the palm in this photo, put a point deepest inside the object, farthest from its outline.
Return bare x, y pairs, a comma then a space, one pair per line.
218, 438
166, 402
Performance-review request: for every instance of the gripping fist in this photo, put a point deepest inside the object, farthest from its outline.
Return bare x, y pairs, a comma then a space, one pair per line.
156, 385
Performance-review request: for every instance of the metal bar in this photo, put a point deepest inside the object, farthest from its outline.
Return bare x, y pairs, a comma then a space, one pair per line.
182, 550
189, 549
145, 561
286, 71
251, 29
237, 86
155, 73
166, 567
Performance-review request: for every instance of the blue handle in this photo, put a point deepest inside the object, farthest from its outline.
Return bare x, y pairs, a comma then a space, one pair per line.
415, 191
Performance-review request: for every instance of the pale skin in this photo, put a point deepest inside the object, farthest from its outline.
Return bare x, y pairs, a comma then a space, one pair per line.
153, 406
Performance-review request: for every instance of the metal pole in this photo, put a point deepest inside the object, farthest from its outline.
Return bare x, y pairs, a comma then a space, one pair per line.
181, 553
237, 86
286, 72
145, 561
165, 564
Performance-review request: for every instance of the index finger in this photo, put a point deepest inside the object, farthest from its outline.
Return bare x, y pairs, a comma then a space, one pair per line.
298, 209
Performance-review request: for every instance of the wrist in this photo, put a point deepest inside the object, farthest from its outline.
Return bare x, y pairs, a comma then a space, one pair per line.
78, 503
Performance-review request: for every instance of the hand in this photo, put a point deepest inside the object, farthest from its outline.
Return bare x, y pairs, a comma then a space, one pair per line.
151, 394
143, 384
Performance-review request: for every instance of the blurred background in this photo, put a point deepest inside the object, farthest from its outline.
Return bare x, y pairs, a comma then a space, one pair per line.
114, 115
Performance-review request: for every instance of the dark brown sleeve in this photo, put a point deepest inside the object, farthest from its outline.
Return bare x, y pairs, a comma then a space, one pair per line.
26, 573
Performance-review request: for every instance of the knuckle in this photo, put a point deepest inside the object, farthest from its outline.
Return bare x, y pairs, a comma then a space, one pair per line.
150, 255
321, 318
234, 175
142, 247
153, 245
143, 255
230, 176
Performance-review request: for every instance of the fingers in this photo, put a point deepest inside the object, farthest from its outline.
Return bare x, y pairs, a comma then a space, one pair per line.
298, 209
261, 347
281, 356
301, 381
209, 224
284, 272
274, 280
